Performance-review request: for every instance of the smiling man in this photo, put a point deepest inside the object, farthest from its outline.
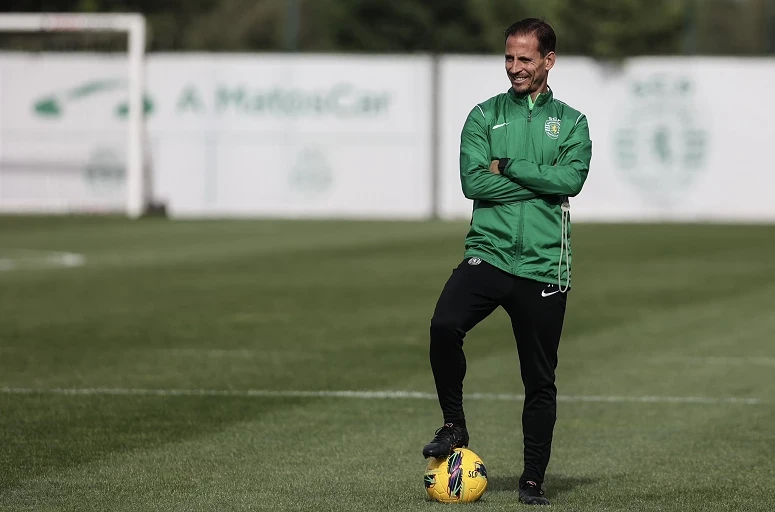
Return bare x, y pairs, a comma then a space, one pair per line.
523, 153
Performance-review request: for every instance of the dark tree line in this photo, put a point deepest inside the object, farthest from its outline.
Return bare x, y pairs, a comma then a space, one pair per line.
608, 29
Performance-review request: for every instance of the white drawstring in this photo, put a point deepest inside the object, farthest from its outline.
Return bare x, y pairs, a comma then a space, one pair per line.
564, 246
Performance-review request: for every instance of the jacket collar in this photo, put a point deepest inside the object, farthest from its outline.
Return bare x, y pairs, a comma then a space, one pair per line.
521, 99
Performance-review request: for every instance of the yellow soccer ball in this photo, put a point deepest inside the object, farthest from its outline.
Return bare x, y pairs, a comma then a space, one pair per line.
460, 478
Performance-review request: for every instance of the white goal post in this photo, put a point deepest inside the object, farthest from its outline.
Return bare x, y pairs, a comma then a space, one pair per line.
134, 26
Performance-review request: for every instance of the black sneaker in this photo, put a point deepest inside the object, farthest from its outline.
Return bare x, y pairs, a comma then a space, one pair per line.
530, 493
447, 439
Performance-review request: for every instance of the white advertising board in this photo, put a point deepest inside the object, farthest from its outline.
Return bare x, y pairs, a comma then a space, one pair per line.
62, 133
670, 139
229, 135
350, 136
275, 135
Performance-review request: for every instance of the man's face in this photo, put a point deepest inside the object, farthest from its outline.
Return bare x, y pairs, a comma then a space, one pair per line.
527, 70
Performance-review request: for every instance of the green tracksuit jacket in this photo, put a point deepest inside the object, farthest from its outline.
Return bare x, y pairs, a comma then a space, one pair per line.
518, 224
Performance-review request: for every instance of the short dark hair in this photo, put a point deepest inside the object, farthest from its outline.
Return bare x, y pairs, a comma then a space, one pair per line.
547, 40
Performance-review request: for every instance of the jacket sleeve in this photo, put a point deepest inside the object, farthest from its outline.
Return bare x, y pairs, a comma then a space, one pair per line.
475, 176
567, 176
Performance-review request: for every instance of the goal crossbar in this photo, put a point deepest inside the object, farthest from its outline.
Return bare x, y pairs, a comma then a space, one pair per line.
134, 26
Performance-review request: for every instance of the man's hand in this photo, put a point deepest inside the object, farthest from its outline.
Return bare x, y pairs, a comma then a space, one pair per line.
494, 167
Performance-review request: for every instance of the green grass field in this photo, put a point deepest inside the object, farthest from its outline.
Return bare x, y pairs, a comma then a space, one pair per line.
164, 373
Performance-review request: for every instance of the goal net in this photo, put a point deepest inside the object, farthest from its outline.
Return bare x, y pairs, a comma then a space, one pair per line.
72, 137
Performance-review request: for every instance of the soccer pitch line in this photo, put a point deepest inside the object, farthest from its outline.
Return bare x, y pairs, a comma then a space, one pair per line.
16, 259
717, 360
374, 395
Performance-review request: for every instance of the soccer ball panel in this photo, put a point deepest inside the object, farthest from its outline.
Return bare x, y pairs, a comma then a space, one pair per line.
460, 478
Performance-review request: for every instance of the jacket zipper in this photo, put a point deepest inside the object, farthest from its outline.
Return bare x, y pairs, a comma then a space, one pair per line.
518, 244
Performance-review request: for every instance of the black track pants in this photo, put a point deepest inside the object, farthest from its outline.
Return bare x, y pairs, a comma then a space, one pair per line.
537, 310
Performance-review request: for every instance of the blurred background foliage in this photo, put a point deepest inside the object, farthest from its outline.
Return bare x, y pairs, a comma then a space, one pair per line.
604, 29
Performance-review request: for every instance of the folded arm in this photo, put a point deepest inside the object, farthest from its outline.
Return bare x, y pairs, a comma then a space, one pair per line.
564, 178
475, 176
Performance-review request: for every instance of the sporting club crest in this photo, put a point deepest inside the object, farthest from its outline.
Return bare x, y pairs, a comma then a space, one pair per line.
662, 138
552, 127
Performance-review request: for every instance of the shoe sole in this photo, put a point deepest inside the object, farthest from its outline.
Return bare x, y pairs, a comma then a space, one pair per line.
430, 453
539, 503
534, 501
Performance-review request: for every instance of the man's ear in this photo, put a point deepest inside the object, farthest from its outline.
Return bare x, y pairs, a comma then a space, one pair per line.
550, 60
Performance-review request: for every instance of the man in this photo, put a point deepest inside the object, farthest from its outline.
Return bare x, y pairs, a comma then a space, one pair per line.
522, 154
